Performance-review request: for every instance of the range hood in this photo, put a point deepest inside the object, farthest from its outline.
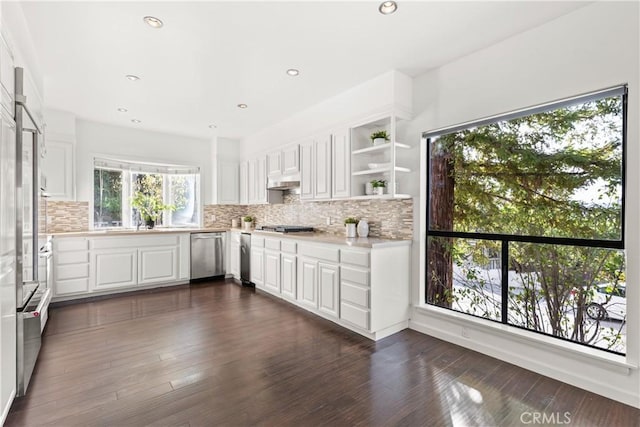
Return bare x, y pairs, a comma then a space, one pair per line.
284, 182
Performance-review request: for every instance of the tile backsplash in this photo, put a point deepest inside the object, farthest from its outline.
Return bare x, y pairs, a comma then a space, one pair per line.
389, 218
220, 216
63, 217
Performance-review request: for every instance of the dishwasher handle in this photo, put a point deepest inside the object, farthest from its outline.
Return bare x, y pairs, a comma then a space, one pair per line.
207, 236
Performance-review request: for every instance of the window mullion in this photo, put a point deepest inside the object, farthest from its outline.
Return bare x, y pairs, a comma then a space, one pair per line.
504, 266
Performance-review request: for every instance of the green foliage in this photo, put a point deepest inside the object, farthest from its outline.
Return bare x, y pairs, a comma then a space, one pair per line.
380, 134
556, 174
147, 198
107, 195
247, 218
526, 176
376, 183
350, 220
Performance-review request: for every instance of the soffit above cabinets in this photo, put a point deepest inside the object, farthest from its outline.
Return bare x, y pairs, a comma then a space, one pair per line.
211, 56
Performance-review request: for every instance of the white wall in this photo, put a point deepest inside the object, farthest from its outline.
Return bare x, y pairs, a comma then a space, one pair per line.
378, 95
101, 139
592, 48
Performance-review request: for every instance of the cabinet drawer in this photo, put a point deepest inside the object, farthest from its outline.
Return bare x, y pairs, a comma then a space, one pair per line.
289, 246
272, 244
64, 287
235, 237
354, 275
321, 252
257, 242
71, 244
354, 257
354, 294
76, 257
72, 271
354, 315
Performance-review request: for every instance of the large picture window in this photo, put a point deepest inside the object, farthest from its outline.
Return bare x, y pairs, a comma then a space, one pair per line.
117, 183
526, 219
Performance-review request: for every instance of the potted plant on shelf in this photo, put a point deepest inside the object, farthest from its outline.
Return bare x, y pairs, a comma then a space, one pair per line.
247, 221
150, 207
350, 226
379, 137
378, 186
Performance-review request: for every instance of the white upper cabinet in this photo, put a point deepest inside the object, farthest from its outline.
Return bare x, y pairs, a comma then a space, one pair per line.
228, 182
306, 170
244, 183
58, 167
322, 187
291, 160
284, 162
315, 168
257, 180
274, 164
341, 164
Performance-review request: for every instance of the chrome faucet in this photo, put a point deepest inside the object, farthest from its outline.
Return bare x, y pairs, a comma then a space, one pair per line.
137, 219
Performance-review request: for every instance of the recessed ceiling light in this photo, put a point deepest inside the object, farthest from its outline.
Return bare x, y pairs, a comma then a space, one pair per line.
213, 127
122, 110
132, 77
388, 7
136, 121
153, 22
242, 106
293, 72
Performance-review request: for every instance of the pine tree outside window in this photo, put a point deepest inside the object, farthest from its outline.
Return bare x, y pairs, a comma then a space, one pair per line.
526, 219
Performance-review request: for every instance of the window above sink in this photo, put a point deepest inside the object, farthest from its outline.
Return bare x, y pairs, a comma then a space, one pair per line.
115, 182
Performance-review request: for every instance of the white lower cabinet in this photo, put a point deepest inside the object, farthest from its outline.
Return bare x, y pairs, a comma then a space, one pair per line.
328, 288
97, 265
115, 268
308, 282
352, 286
234, 259
288, 277
157, 265
272, 271
257, 261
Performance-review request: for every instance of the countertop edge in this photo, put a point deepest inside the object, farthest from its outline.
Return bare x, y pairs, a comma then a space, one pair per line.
154, 232
356, 242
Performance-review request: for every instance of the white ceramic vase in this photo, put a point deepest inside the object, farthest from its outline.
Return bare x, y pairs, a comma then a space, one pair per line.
379, 141
363, 228
247, 225
351, 230
368, 189
379, 191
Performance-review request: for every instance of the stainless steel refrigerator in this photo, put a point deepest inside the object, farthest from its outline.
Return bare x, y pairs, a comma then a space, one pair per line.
32, 294
7, 259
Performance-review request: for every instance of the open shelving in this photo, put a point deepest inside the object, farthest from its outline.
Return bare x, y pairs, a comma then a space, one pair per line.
364, 153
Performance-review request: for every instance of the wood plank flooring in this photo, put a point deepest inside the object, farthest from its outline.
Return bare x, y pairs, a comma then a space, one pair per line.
217, 354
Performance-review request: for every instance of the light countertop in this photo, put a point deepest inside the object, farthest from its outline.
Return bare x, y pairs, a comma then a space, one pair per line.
361, 242
132, 232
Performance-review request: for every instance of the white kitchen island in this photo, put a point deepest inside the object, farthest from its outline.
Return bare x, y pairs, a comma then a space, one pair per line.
361, 283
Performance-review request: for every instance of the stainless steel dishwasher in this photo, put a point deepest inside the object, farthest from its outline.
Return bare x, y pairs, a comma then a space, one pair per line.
207, 255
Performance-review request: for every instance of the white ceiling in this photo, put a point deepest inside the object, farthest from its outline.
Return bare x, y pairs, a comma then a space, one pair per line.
210, 56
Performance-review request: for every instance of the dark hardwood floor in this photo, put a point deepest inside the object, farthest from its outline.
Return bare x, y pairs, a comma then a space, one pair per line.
218, 354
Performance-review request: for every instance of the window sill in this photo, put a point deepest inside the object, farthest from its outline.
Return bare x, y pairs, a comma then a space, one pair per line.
527, 337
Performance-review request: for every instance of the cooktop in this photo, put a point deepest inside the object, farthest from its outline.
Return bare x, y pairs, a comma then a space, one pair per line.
286, 228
